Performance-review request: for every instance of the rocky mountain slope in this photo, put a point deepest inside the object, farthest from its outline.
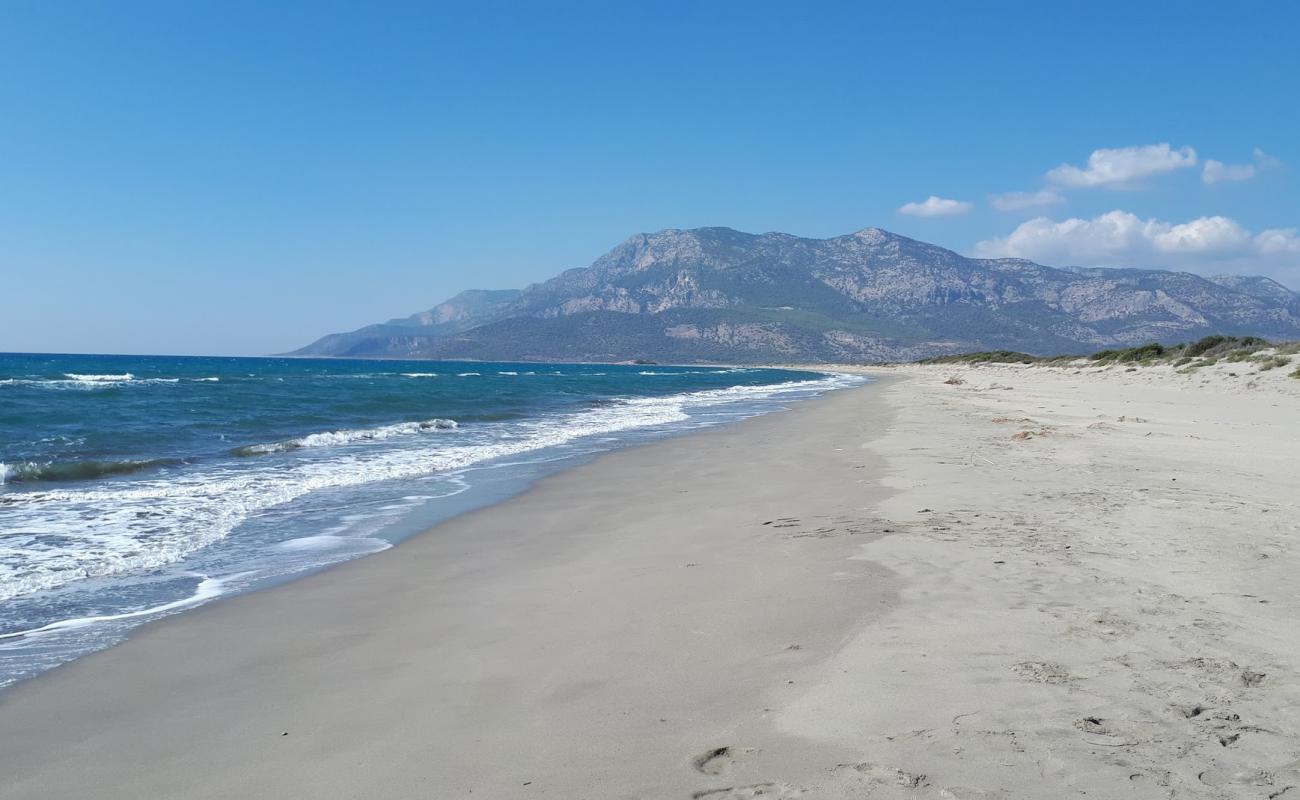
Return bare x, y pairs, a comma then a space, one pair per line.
716, 294
402, 336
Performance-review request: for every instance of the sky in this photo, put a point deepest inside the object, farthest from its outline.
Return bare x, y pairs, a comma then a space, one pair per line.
242, 177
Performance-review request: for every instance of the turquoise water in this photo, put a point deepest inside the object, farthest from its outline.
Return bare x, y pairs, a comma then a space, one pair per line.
134, 487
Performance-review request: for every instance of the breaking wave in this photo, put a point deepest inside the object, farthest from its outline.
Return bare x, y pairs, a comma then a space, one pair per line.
125, 376
58, 536
34, 471
333, 438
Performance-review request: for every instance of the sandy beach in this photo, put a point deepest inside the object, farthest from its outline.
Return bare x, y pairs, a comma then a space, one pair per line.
957, 582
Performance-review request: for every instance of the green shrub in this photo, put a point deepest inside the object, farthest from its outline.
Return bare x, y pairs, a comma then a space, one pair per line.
986, 357
1218, 345
1200, 346
1143, 353
1243, 354
1210, 350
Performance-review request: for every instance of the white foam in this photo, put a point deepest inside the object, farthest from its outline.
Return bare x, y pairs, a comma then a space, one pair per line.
5, 472
74, 380
110, 530
466, 374
125, 376
507, 373
95, 379
207, 589
419, 374
335, 438
321, 542
206, 380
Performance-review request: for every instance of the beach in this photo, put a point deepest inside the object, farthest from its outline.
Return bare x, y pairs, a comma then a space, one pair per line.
955, 582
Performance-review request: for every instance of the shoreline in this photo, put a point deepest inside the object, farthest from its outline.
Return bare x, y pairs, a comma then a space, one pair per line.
464, 488
956, 582
118, 688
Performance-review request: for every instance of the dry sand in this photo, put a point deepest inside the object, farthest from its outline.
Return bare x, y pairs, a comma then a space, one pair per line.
1025, 583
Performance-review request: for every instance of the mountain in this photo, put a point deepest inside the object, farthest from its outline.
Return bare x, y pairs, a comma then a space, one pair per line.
1266, 289
716, 294
402, 337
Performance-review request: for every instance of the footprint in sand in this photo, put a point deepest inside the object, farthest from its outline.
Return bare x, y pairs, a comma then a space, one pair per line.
888, 776
1042, 672
766, 791
720, 760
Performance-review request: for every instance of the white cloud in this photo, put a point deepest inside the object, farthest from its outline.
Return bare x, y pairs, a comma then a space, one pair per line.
1123, 167
1278, 240
1018, 201
1119, 239
935, 207
1265, 161
1219, 172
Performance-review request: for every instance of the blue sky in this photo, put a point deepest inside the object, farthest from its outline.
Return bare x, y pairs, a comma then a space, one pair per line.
238, 178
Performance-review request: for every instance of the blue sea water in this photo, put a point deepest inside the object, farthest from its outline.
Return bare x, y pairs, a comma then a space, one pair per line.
134, 487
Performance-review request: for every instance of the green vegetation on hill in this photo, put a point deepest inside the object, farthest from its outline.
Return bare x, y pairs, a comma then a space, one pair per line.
990, 357
1193, 355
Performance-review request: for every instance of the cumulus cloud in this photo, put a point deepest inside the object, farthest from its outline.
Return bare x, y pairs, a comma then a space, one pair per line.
1119, 238
1123, 167
1279, 241
935, 207
1019, 201
1219, 172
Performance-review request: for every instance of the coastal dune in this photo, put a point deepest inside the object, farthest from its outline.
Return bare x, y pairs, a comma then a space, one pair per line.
957, 582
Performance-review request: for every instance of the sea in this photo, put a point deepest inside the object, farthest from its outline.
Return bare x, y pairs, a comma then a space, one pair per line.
136, 487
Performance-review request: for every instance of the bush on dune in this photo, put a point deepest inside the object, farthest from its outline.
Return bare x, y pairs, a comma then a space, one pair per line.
1204, 352
986, 357
1144, 353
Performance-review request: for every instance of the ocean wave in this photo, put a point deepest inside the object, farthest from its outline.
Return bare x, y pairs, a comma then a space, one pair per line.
73, 380
36, 471
331, 438
419, 374
58, 536
467, 374
125, 376
207, 589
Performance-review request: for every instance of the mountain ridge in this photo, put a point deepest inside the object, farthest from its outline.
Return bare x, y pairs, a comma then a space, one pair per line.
717, 294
